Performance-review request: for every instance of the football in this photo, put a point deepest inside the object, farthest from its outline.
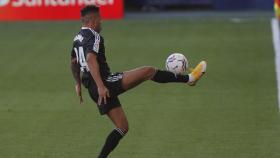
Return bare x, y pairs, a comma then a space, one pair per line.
176, 63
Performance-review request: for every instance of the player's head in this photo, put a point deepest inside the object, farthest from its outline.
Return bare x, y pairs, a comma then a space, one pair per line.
91, 18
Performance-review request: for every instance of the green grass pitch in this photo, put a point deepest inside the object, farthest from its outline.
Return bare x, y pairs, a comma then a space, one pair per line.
231, 113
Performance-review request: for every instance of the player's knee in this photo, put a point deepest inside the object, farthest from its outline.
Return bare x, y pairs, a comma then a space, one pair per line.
124, 127
126, 130
149, 72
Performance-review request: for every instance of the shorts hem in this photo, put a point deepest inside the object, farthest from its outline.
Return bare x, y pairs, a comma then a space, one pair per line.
107, 109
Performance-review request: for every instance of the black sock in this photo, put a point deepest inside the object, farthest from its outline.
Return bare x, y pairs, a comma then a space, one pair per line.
166, 76
111, 142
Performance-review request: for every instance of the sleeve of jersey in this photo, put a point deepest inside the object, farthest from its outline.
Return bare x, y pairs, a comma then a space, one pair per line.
93, 44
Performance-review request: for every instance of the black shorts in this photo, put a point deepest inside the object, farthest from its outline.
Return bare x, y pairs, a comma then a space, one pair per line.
114, 84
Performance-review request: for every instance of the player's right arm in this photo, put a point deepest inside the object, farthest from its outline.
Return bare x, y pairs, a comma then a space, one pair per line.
75, 67
93, 66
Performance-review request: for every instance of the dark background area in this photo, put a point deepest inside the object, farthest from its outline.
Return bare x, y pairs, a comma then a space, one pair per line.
219, 5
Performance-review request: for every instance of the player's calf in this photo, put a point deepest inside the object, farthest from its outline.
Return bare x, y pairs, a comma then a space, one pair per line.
118, 117
191, 79
166, 77
112, 141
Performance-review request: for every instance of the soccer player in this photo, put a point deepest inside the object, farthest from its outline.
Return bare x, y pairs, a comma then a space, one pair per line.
88, 57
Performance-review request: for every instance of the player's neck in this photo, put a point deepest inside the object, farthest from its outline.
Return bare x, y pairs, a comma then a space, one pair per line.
90, 26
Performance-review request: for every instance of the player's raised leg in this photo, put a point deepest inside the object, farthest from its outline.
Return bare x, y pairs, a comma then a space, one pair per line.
136, 76
118, 117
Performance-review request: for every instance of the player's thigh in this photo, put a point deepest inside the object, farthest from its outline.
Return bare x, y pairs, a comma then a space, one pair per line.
136, 76
118, 117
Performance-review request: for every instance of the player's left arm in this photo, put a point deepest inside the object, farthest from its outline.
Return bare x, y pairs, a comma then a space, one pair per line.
75, 67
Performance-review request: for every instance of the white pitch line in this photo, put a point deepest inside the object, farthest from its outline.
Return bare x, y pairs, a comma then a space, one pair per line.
276, 43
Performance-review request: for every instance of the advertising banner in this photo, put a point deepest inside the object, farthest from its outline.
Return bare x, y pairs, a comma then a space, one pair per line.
12, 10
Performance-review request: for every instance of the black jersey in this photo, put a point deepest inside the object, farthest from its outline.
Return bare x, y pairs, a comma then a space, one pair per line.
89, 41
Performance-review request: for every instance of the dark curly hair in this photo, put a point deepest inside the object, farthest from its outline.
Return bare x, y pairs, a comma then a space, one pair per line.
89, 9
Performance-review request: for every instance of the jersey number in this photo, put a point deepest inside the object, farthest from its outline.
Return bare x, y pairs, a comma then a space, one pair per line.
81, 58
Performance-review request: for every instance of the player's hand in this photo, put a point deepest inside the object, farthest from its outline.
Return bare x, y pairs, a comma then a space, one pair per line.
103, 94
79, 92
